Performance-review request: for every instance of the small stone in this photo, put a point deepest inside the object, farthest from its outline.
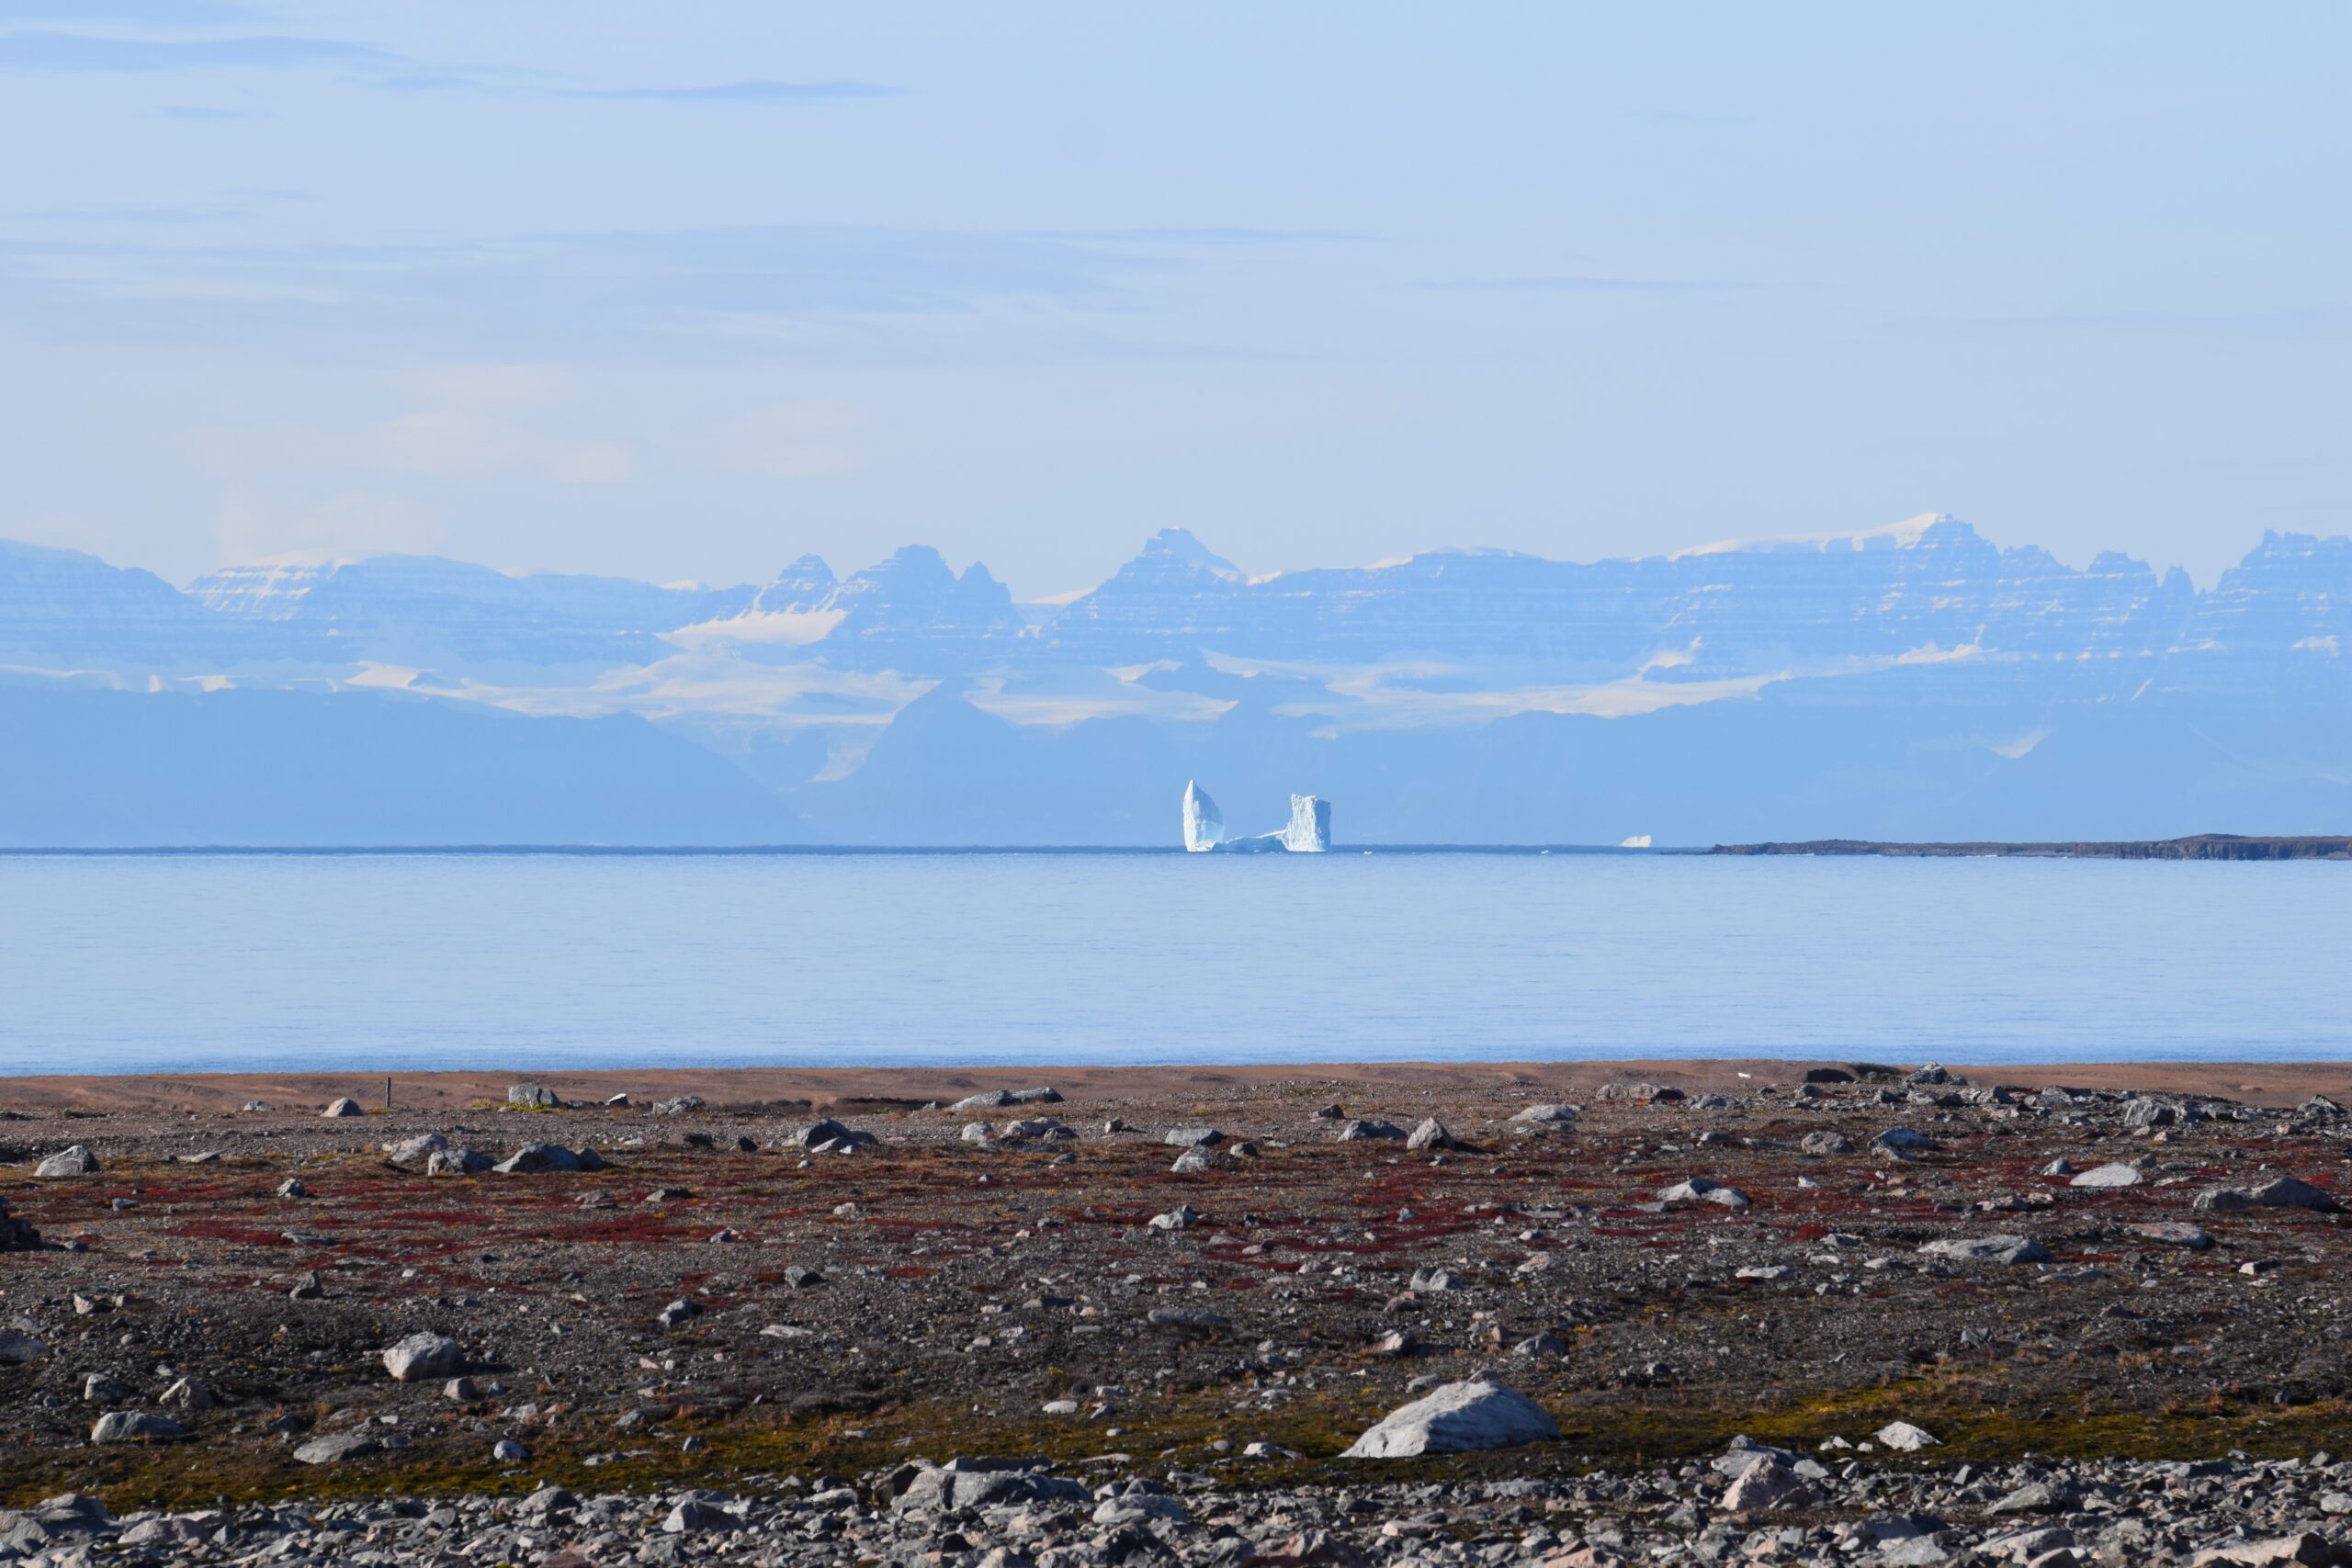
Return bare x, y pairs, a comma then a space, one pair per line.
455, 1162
1176, 1219
2115, 1175
506, 1450
1361, 1129
97, 1388
344, 1107
1906, 1139
801, 1276
293, 1187
1699, 1189
534, 1158
461, 1390
693, 1516
1546, 1113
1201, 1157
2174, 1233
1544, 1343
1825, 1144
307, 1287
677, 1311
20, 1349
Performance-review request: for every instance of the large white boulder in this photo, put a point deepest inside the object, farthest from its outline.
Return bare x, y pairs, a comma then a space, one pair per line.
1457, 1418
422, 1356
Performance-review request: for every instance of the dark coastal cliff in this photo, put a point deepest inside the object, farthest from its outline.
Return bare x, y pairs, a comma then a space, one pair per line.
2197, 846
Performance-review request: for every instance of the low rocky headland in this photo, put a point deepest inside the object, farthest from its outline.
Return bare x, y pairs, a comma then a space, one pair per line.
1771, 1313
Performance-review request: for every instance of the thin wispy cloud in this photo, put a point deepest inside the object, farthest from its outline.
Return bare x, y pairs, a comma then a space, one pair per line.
777, 94
1579, 283
167, 12
69, 52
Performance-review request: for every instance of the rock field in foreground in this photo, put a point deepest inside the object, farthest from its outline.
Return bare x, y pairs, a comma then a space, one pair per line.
798, 1314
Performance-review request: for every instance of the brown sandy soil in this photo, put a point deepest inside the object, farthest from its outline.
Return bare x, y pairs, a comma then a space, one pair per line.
2259, 1083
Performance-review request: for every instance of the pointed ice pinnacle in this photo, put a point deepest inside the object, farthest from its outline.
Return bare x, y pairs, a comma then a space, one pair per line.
1204, 823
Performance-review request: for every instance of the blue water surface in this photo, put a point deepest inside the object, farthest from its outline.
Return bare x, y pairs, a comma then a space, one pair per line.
411, 962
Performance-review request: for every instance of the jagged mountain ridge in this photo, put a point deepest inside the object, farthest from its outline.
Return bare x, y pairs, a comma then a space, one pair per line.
1932, 585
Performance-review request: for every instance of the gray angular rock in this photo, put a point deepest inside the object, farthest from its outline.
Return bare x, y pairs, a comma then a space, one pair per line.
1826, 1143
335, 1447
945, 1491
73, 1161
2112, 1175
677, 1311
997, 1099
1456, 1418
121, 1426
455, 1162
1765, 1484
1903, 1139
2286, 1193
1431, 1133
1369, 1128
20, 1349
1700, 1189
2174, 1233
537, 1096
424, 1357
2310, 1548
1191, 1137
336, 1109
1202, 1157
1546, 1113
1989, 1249
534, 1158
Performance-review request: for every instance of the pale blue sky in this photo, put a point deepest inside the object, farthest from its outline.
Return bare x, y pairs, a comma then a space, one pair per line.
684, 291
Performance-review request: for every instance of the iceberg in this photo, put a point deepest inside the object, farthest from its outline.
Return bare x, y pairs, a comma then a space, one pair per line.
1310, 825
1204, 823
1309, 832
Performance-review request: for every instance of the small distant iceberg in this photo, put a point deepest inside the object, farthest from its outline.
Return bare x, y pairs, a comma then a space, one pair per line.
1639, 842
1309, 832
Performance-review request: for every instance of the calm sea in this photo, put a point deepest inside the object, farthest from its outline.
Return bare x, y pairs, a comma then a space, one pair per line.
362, 961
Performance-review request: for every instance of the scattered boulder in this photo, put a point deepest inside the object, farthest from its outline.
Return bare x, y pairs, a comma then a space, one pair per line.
1907, 1140
537, 1097
455, 1162
1903, 1436
424, 1357
1191, 1137
1540, 1343
2286, 1193
1176, 1219
1826, 1143
1431, 1134
1989, 1249
293, 1187
2310, 1548
20, 1349
121, 1426
1639, 1093
532, 1159
2174, 1233
335, 1447
343, 1107
1699, 1189
1546, 1113
2114, 1175
829, 1132
17, 1235
682, 1105
74, 1161
1364, 1128
997, 1099
801, 1276
1456, 1418
678, 1312
1766, 1484
949, 1490
1202, 1157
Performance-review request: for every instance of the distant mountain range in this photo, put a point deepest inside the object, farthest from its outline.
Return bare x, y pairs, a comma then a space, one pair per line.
1909, 681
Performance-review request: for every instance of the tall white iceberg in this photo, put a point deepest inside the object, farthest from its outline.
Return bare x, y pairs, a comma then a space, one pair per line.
1310, 825
1204, 823
1309, 831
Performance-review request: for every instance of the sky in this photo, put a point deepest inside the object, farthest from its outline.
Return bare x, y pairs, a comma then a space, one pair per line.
681, 292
